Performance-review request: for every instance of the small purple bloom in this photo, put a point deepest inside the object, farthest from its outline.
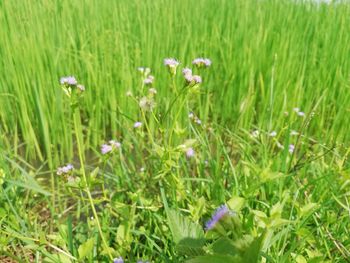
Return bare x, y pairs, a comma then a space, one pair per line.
301, 114
65, 169
70, 80
115, 144
207, 62
187, 71
190, 152
196, 79
201, 62
118, 260
171, 62
291, 148
105, 148
81, 87
188, 78
221, 212
273, 134
149, 80
137, 124
198, 121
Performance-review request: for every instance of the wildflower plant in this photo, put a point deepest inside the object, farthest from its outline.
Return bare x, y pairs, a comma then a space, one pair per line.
72, 89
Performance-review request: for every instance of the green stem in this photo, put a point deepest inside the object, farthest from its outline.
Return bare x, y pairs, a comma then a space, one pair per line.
81, 151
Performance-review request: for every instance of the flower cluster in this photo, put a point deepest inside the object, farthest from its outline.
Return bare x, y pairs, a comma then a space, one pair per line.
191, 79
118, 260
298, 112
193, 117
190, 152
110, 147
72, 89
219, 214
147, 78
147, 103
291, 148
65, 169
201, 62
69, 81
172, 64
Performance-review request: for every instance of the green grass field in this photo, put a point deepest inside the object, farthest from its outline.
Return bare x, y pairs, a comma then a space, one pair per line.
263, 138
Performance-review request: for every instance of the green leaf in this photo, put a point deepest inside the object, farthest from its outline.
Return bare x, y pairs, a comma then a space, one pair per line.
181, 227
224, 246
236, 203
86, 248
191, 247
308, 208
252, 254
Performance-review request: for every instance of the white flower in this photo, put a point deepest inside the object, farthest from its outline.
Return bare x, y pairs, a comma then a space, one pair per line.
255, 133
137, 124
291, 148
273, 134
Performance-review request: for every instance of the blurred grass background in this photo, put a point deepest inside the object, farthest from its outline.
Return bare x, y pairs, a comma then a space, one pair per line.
268, 57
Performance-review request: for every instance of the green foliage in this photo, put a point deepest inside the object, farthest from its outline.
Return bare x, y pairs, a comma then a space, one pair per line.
236, 138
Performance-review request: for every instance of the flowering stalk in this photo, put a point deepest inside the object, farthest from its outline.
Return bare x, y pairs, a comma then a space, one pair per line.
74, 91
78, 134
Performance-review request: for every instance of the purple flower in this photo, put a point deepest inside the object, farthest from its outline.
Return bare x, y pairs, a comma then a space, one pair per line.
140, 261
221, 212
291, 148
301, 114
190, 152
171, 62
70, 80
196, 79
137, 124
273, 134
198, 121
192, 79
105, 148
81, 87
201, 62
115, 144
207, 62
148, 80
187, 71
65, 169
118, 260
188, 78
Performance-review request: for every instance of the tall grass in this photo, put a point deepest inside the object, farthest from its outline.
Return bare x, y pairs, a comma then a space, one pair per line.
269, 56
290, 190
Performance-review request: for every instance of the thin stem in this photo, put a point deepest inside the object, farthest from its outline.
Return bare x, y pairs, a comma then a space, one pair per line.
78, 134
